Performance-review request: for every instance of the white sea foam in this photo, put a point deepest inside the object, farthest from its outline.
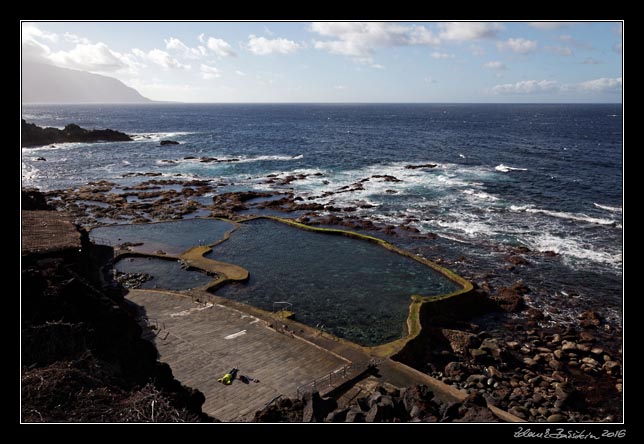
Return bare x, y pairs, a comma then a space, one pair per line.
581, 217
609, 208
156, 137
470, 227
505, 169
480, 195
462, 156
54, 147
232, 159
573, 248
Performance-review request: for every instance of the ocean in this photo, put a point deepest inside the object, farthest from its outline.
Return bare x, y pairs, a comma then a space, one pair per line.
545, 177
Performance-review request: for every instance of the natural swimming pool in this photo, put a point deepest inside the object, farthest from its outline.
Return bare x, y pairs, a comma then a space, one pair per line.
350, 287
171, 237
166, 274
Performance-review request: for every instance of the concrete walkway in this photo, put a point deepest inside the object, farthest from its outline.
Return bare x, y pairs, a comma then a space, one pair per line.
202, 342
194, 258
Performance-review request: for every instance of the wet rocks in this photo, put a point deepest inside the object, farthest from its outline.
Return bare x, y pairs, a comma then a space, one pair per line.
33, 135
131, 280
168, 142
426, 165
386, 178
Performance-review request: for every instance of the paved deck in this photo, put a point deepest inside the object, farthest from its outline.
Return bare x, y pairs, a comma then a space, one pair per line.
201, 342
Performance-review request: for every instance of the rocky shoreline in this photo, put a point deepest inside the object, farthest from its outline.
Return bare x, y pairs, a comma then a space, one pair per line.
512, 354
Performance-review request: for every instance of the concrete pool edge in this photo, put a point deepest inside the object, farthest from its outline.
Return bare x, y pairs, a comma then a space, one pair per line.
417, 307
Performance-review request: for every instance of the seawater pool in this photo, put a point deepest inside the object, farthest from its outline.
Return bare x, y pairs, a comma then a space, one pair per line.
350, 287
172, 237
166, 274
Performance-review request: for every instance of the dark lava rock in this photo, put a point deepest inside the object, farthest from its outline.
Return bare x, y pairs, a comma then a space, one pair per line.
509, 299
317, 408
33, 135
33, 199
386, 178
168, 142
426, 165
355, 415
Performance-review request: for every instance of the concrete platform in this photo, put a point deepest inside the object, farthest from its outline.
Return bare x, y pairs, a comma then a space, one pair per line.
201, 342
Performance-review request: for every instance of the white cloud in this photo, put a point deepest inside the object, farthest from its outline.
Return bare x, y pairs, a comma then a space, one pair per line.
220, 47
209, 72
160, 58
570, 40
377, 66
32, 32
74, 38
546, 26
85, 55
264, 46
495, 65
359, 40
420, 35
463, 31
93, 57
591, 61
527, 87
240, 73
602, 85
517, 45
176, 45
430, 79
560, 50
34, 43
617, 47
339, 87
441, 55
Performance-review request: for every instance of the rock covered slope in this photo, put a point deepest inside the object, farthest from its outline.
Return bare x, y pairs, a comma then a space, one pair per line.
33, 135
83, 358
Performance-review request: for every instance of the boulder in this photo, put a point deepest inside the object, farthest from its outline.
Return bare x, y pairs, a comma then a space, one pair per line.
168, 142
459, 341
509, 300
355, 415
316, 408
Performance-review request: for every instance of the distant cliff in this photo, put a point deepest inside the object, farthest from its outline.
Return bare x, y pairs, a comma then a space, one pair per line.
33, 135
43, 83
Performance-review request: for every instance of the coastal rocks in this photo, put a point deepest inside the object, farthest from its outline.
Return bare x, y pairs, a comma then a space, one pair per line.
131, 280
458, 341
510, 299
33, 135
416, 404
589, 319
316, 408
168, 142
386, 178
426, 165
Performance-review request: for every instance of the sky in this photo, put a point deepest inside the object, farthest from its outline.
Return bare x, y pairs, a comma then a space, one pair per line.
441, 62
